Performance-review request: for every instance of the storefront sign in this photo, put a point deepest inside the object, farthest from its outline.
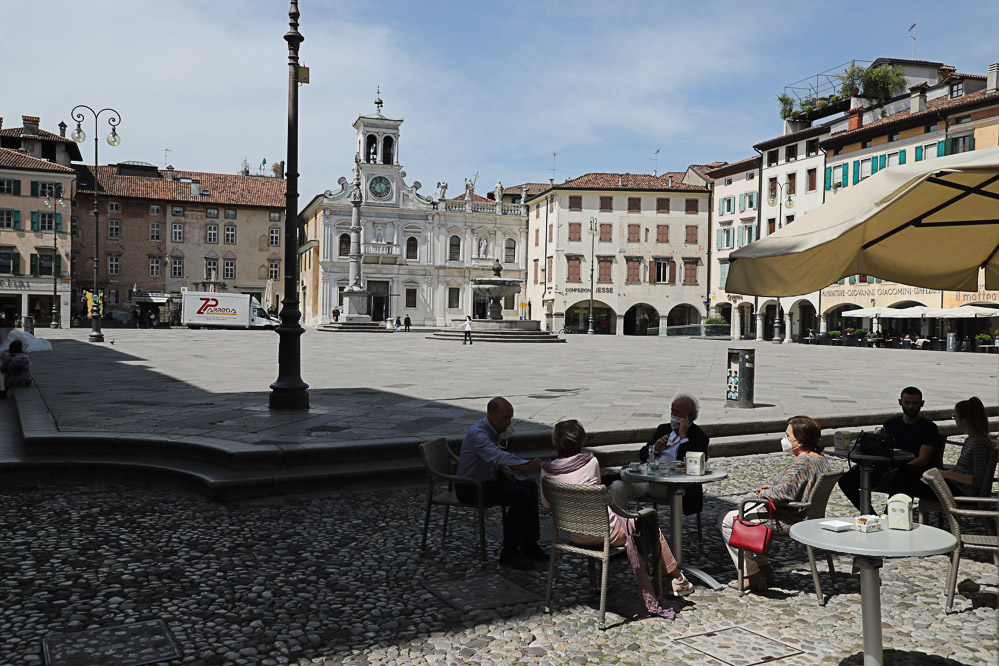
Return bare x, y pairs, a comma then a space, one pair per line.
9, 283
584, 290
875, 290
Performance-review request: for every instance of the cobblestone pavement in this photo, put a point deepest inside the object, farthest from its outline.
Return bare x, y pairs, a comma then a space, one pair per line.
215, 383
339, 578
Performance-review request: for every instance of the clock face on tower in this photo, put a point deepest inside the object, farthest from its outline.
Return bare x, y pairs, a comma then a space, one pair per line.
380, 187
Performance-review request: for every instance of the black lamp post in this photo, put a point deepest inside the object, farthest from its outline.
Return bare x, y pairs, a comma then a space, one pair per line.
113, 140
593, 258
289, 392
774, 199
56, 204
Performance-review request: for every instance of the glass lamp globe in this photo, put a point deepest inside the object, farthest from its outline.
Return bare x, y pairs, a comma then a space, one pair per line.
78, 135
48, 201
113, 138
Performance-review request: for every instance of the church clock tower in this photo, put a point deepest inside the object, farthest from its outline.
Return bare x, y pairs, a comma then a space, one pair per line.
378, 152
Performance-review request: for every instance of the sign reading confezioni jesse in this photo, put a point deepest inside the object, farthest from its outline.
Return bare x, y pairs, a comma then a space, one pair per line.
9, 284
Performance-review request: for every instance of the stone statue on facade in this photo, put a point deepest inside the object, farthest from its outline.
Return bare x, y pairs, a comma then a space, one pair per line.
483, 246
498, 192
523, 194
469, 189
355, 188
442, 186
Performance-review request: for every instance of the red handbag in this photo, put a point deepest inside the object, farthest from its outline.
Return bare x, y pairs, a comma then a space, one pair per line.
751, 535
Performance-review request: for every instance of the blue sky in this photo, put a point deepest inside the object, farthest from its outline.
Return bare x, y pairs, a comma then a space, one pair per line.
492, 88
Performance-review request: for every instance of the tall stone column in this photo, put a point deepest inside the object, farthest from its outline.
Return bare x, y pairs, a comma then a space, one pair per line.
760, 325
787, 326
736, 329
355, 302
619, 328
823, 324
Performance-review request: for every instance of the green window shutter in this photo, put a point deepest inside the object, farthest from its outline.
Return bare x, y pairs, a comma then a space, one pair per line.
34, 188
34, 264
742, 203
853, 279
17, 187
919, 153
742, 236
901, 156
971, 142
718, 235
17, 219
884, 162
58, 221
941, 147
721, 206
846, 172
58, 191
828, 177
840, 281
34, 220
58, 264
15, 264
856, 171
874, 165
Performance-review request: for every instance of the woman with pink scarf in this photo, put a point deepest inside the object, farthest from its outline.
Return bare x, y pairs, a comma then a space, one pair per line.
573, 466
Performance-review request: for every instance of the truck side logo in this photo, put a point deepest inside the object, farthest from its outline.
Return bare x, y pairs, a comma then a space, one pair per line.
207, 303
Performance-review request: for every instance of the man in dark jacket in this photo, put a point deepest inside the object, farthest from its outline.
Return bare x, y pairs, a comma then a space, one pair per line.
670, 442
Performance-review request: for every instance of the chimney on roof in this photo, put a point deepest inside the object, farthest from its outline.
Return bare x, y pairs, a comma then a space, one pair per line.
669, 180
991, 86
62, 129
169, 171
856, 115
30, 127
917, 98
620, 181
944, 72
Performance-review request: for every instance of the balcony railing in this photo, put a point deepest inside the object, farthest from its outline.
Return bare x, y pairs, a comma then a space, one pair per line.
484, 207
380, 249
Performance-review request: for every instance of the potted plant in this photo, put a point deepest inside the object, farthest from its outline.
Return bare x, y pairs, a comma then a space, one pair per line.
835, 337
981, 340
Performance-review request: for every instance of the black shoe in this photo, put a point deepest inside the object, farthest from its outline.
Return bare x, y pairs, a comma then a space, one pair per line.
514, 560
534, 552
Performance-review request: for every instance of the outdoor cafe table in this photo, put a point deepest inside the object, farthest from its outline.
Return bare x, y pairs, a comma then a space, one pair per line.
867, 463
869, 550
675, 485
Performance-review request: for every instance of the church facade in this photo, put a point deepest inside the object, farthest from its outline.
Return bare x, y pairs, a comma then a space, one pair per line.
419, 253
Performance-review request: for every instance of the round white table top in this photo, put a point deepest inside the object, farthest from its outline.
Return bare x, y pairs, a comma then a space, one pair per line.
713, 474
921, 540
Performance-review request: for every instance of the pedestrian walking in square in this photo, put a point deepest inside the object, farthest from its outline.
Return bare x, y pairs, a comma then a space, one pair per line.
466, 326
398, 323
406, 322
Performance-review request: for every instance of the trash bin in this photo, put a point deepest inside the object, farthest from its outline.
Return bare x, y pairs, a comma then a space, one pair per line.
741, 378
952, 344
29, 324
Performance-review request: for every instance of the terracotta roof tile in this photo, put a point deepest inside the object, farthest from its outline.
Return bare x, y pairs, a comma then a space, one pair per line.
42, 134
932, 108
223, 188
735, 167
13, 159
630, 181
532, 188
475, 197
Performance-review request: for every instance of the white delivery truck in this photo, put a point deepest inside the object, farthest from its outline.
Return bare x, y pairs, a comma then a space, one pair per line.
206, 309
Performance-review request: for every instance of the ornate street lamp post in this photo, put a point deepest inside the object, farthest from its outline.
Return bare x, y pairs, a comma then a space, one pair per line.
56, 204
593, 259
113, 140
774, 199
289, 392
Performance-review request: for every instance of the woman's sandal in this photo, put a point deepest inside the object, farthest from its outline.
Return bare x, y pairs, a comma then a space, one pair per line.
682, 587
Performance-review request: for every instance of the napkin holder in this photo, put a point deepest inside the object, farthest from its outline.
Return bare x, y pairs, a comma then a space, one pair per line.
900, 512
868, 524
695, 462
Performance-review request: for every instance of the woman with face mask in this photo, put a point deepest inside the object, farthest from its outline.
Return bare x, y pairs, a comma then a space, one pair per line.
803, 440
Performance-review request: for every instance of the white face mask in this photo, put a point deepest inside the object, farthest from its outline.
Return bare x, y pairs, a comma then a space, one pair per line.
674, 422
506, 434
785, 444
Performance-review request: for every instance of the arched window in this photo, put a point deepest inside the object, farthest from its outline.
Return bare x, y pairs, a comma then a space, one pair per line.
388, 151
511, 251
344, 245
411, 249
371, 149
454, 249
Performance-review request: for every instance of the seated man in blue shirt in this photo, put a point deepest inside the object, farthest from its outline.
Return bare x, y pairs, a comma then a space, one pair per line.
482, 459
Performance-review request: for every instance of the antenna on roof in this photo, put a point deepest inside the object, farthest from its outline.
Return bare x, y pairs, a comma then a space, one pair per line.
655, 157
166, 157
913, 37
553, 166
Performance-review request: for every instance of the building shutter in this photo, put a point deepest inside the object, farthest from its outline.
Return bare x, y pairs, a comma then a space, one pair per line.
846, 173
15, 263
853, 279
17, 188
901, 156
828, 177
58, 226
17, 218
971, 142
874, 165
941, 147
919, 153
58, 191
856, 171
742, 202
34, 221
34, 188
34, 264
672, 272
721, 206
742, 236
884, 162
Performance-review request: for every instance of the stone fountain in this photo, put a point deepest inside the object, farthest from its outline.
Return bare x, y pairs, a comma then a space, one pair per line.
496, 289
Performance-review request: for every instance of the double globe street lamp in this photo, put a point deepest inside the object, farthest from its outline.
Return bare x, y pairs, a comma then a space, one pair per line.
79, 136
55, 200
774, 200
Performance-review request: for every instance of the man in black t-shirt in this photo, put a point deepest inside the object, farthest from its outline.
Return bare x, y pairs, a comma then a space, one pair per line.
912, 433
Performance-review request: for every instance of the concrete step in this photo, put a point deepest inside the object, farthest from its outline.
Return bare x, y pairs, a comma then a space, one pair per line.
355, 327
496, 336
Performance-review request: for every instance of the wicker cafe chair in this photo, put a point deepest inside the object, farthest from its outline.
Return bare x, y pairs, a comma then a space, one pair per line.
438, 460
578, 509
815, 507
927, 506
947, 500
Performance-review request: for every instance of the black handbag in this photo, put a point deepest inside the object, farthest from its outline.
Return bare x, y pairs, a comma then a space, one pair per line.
875, 444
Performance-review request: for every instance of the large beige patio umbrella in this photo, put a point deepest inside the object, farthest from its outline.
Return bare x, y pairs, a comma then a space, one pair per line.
931, 224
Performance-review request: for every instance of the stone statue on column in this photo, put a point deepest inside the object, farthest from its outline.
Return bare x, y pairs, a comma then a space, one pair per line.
498, 192
469, 189
442, 185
